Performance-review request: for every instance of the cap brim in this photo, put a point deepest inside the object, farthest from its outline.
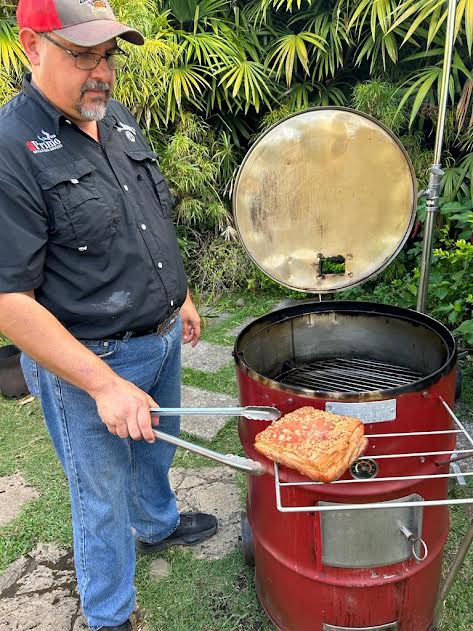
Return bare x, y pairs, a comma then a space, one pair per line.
97, 32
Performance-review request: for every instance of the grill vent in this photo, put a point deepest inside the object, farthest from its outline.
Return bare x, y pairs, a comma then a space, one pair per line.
348, 375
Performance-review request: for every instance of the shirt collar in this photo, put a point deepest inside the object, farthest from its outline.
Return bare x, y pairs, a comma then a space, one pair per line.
106, 125
52, 112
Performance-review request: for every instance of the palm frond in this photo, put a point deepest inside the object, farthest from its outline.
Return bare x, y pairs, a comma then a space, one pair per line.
248, 79
12, 57
333, 28
185, 81
290, 48
205, 48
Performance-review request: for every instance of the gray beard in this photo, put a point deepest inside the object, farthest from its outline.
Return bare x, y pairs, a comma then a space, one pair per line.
95, 111
92, 112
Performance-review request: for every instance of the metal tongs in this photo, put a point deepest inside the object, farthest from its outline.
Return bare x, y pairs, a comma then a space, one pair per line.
251, 412
252, 467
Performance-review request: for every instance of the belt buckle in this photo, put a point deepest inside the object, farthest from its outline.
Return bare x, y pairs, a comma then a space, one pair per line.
168, 324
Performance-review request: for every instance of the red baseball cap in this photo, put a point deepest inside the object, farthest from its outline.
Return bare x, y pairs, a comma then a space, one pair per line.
81, 22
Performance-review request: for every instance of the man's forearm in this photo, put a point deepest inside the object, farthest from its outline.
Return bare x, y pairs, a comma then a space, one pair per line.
40, 335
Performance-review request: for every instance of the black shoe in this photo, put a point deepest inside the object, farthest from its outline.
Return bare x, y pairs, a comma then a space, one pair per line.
194, 528
126, 626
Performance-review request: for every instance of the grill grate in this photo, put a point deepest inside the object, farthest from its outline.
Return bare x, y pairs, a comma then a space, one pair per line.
348, 375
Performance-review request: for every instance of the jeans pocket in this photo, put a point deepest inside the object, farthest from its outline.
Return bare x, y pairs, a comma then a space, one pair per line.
101, 348
30, 373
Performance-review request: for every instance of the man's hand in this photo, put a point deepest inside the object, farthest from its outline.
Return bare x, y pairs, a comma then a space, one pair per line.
124, 409
190, 322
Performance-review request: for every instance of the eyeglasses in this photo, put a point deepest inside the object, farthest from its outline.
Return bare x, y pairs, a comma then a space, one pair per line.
115, 59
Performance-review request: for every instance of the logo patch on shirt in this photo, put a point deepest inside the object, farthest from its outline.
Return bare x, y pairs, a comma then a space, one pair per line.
130, 132
45, 143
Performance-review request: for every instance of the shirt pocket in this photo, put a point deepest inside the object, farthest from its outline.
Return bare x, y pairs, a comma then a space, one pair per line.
79, 213
145, 162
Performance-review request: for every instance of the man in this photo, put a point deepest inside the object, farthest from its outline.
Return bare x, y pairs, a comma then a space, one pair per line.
91, 281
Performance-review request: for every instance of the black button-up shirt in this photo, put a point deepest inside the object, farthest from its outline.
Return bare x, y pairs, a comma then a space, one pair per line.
87, 225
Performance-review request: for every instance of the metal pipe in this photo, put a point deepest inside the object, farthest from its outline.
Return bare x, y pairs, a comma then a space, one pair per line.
453, 572
455, 418
433, 191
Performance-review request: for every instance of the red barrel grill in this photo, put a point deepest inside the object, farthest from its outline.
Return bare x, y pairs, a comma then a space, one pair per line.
364, 552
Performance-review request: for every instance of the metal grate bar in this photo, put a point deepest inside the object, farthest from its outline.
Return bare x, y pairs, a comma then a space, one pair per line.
422, 454
377, 480
348, 375
442, 431
394, 478
372, 368
321, 383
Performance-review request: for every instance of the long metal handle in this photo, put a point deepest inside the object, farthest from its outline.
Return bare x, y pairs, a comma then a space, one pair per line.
454, 569
436, 172
252, 412
231, 460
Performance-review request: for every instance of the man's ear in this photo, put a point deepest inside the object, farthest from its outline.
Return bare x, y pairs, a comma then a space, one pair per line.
31, 43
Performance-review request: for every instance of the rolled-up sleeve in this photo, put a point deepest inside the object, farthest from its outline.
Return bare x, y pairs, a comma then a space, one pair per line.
23, 239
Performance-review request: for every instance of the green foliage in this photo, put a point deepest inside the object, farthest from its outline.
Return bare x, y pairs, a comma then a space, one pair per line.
381, 100
192, 160
451, 287
8, 86
450, 294
223, 266
144, 83
12, 57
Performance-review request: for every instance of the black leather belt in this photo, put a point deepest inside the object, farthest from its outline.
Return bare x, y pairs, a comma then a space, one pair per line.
161, 329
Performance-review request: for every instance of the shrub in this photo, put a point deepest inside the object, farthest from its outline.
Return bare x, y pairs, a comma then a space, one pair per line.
380, 99
222, 266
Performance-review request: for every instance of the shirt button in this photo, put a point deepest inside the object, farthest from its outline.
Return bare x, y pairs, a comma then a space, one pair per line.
68, 121
139, 177
125, 187
172, 303
160, 265
143, 226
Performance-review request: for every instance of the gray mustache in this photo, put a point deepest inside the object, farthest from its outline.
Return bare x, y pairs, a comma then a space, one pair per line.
94, 85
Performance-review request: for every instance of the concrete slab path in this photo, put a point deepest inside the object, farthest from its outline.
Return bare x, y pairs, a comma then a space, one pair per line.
206, 427
205, 356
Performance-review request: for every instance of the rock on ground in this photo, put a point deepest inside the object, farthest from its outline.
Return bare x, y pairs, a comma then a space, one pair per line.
14, 493
210, 490
38, 592
159, 568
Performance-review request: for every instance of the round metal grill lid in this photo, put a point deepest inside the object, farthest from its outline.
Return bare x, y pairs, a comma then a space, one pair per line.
325, 199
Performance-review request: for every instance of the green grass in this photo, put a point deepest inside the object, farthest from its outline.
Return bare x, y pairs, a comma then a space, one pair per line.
221, 381
201, 595
198, 595
25, 446
254, 307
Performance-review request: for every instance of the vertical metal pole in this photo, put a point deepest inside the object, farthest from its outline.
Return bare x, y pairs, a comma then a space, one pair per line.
453, 572
436, 172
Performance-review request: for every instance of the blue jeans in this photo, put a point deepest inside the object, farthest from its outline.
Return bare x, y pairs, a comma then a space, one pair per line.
115, 484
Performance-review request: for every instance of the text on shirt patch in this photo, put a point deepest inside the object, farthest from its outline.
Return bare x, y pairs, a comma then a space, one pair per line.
45, 143
130, 132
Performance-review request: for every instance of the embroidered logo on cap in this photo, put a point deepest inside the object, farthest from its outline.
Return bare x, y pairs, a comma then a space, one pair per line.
130, 132
46, 142
97, 5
